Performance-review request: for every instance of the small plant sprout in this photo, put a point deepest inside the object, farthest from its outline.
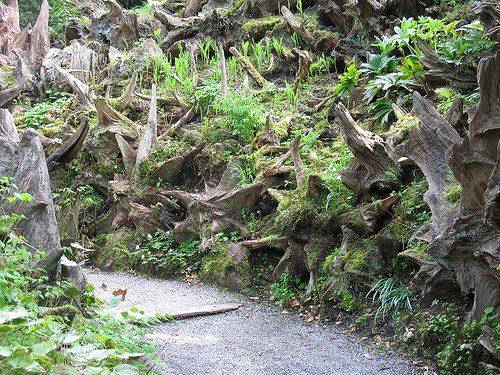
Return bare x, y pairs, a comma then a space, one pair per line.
245, 45
204, 46
278, 46
292, 94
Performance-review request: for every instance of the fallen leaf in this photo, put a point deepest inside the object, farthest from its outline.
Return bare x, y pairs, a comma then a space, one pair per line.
367, 356
104, 286
120, 292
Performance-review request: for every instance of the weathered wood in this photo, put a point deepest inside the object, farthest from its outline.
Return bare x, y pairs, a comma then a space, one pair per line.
427, 146
83, 92
9, 140
21, 73
118, 28
261, 81
83, 62
440, 72
192, 8
129, 92
297, 26
39, 39
297, 161
149, 138
223, 71
196, 312
129, 155
71, 148
375, 170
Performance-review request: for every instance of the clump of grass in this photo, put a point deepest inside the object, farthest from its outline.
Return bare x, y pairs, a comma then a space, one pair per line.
391, 295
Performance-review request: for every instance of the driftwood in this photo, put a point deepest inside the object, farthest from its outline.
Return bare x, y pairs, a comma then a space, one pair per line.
470, 245
205, 310
375, 171
39, 38
192, 8
171, 169
297, 26
83, 92
149, 138
427, 146
223, 72
21, 73
71, 148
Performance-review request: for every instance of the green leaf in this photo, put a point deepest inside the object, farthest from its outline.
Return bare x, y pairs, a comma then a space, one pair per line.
10, 316
63, 370
125, 369
5, 351
43, 348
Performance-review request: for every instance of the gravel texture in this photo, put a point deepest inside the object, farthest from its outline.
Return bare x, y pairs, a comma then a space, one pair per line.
257, 339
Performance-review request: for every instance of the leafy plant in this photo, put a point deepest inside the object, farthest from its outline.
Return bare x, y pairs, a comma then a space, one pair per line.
246, 174
391, 295
286, 288
322, 65
242, 114
205, 45
45, 114
348, 81
160, 254
45, 330
382, 108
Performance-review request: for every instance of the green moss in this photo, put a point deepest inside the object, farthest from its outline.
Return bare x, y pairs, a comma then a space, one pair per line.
113, 249
259, 26
356, 259
453, 193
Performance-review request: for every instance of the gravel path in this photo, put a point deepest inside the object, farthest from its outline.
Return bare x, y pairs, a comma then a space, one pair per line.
257, 339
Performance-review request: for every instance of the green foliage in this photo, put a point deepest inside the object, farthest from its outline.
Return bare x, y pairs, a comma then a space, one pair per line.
60, 11
246, 174
286, 288
278, 46
161, 255
242, 114
322, 65
40, 335
391, 295
292, 95
47, 113
348, 81
453, 193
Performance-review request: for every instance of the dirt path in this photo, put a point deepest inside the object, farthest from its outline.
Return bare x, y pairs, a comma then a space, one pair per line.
257, 339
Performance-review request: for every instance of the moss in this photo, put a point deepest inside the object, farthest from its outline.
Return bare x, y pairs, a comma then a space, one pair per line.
114, 249
453, 193
259, 26
220, 267
356, 259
